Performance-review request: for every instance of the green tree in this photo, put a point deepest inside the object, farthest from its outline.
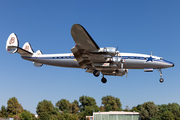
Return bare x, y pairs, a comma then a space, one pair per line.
26, 115
111, 103
45, 109
3, 112
139, 107
44, 116
162, 108
86, 101
13, 106
102, 108
63, 105
74, 109
88, 111
134, 109
77, 103
167, 115
148, 110
175, 109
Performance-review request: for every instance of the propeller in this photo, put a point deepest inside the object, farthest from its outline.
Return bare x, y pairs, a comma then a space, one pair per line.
151, 54
121, 60
116, 54
126, 72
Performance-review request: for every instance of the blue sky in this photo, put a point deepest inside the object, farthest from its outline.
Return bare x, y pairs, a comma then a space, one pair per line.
135, 26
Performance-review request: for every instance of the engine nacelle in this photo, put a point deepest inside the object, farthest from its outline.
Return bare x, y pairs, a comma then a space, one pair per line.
121, 72
107, 51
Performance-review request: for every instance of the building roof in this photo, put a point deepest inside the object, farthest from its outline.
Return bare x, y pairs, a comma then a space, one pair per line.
117, 112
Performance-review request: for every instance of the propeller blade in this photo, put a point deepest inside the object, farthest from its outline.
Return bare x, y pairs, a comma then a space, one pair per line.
151, 53
122, 67
126, 72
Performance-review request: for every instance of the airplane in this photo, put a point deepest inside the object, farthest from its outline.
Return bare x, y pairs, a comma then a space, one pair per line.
86, 54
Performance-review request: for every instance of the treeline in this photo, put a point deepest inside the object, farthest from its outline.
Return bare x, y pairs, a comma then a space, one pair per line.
77, 110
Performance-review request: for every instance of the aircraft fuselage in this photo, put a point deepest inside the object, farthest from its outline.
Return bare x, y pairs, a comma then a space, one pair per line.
131, 61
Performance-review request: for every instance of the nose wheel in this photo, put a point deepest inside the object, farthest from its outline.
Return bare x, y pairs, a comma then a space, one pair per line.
103, 80
161, 80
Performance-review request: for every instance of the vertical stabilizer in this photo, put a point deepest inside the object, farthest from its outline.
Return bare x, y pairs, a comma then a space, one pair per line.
12, 43
38, 52
28, 47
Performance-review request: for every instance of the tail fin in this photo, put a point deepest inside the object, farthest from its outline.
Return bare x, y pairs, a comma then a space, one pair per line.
12, 46
38, 52
28, 47
35, 63
12, 43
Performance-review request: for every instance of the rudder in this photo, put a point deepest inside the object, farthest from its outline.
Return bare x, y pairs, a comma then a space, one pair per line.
12, 43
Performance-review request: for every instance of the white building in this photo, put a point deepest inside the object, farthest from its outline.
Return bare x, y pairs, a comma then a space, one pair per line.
115, 115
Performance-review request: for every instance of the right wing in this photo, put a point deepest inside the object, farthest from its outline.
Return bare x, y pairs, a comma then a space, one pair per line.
85, 45
82, 39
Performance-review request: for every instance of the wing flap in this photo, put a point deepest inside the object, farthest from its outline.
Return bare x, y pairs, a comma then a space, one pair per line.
78, 57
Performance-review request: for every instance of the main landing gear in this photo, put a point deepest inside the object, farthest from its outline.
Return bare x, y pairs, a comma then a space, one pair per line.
103, 80
161, 80
96, 73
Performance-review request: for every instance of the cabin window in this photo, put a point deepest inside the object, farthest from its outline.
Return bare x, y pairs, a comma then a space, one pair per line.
138, 57
134, 57
161, 58
128, 57
53, 57
61, 57
57, 57
145, 58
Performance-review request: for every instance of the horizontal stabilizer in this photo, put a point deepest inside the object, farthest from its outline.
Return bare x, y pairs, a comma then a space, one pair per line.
12, 46
23, 52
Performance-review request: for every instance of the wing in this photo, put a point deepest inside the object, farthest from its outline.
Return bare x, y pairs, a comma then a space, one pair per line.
82, 39
90, 56
84, 46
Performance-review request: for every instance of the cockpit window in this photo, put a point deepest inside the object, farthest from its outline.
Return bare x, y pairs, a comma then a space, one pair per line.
161, 58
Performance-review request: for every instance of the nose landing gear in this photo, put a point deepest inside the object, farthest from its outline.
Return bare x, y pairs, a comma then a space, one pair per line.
161, 80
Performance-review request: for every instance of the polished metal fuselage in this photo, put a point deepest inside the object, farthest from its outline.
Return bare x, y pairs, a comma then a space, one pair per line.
130, 61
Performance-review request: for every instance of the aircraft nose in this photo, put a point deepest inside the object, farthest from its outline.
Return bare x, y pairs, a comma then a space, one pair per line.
173, 65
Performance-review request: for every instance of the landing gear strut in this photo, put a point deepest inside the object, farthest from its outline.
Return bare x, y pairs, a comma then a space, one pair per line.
103, 80
161, 80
